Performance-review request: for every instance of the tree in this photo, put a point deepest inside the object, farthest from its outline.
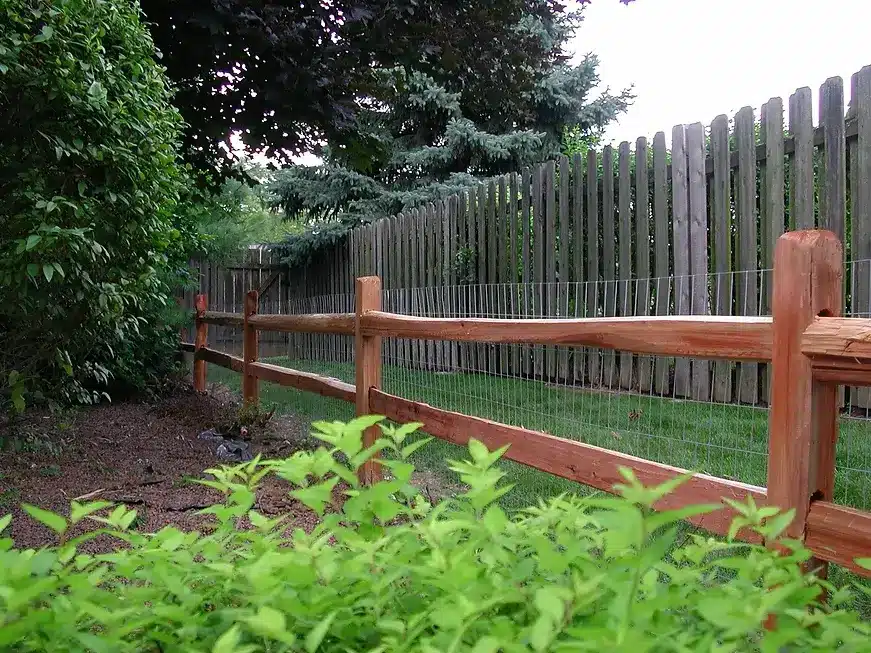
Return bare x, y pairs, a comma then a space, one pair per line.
94, 235
419, 138
287, 75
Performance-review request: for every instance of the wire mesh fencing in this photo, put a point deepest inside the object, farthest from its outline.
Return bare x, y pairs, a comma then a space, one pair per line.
707, 416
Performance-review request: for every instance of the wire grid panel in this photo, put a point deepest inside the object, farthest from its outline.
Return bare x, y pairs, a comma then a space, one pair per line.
676, 412
853, 454
321, 347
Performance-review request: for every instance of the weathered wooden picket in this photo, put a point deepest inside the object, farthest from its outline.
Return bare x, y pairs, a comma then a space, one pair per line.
639, 231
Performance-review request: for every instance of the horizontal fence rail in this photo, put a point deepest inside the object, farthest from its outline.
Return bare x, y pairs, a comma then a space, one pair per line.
810, 347
734, 338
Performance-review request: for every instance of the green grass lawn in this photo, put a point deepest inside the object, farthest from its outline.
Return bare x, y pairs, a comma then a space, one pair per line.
718, 439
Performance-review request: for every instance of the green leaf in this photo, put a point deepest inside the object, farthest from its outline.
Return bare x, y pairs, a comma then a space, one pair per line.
227, 642
776, 525
48, 271
363, 422
54, 521
414, 446
550, 602
18, 401
5, 520
32, 241
32, 269
268, 621
316, 496
316, 636
44, 35
477, 450
79, 511
60, 270
865, 563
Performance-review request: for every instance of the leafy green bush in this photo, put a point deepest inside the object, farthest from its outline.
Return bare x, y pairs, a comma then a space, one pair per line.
389, 572
93, 242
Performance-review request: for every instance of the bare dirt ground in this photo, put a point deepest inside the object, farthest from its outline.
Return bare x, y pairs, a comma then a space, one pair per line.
144, 455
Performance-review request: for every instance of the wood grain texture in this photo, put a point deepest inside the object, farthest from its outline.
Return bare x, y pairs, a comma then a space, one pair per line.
721, 247
609, 263
833, 188
569, 459
733, 338
593, 305
661, 265
624, 244
748, 374
839, 534
550, 256
200, 340
680, 246
537, 291
642, 251
322, 385
838, 337
220, 359
250, 354
808, 268
698, 242
801, 187
221, 318
337, 323
565, 221
579, 362
367, 361
772, 187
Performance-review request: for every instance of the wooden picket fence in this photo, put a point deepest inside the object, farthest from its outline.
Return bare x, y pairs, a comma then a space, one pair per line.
633, 232
811, 350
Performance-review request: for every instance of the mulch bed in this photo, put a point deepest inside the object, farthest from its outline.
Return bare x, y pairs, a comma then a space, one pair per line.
141, 454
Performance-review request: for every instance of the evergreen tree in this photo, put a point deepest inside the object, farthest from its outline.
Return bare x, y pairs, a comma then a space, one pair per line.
418, 138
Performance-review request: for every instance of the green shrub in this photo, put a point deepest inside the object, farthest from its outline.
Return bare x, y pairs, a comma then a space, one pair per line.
93, 242
389, 572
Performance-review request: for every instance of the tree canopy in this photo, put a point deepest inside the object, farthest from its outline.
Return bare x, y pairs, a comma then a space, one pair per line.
290, 76
420, 135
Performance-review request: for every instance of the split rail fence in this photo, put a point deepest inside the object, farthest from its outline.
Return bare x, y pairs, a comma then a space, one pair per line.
811, 349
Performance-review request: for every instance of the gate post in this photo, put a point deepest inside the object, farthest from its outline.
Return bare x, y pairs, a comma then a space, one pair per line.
803, 418
200, 340
367, 357
250, 340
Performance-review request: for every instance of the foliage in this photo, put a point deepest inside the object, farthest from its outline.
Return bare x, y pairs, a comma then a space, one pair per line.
89, 198
287, 76
236, 213
389, 571
422, 135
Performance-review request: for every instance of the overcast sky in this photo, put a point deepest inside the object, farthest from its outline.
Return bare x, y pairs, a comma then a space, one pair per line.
691, 60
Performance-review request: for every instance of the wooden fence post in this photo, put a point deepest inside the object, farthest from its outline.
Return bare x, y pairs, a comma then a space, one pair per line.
803, 421
367, 356
200, 340
250, 384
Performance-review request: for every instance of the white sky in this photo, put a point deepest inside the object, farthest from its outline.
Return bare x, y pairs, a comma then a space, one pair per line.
691, 60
